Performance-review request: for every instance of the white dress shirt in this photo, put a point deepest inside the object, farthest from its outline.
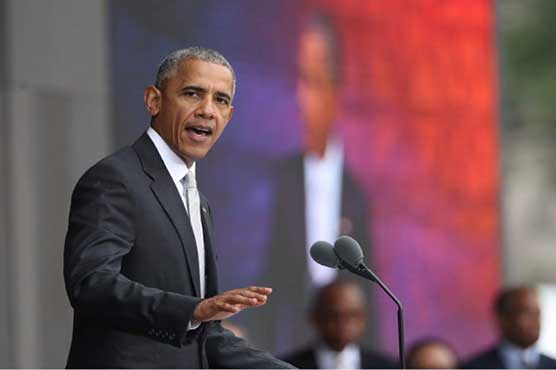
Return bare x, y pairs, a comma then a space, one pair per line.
514, 357
178, 169
323, 198
348, 358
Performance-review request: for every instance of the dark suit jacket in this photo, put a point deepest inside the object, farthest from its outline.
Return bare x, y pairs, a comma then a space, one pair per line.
131, 272
490, 359
285, 320
306, 359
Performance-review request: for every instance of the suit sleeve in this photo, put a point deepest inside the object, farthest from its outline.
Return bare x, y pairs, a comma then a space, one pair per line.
225, 350
100, 234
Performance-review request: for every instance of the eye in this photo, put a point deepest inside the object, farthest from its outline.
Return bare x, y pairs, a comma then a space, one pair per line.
191, 93
223, 101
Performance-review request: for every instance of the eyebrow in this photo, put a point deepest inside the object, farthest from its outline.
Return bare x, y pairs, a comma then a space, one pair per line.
203, 90
223, 95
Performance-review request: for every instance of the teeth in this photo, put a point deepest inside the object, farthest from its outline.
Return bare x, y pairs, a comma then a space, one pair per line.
200, 130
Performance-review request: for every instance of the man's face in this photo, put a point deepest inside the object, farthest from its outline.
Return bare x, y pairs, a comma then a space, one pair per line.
193, 109
316, 92
521, 324
341, 318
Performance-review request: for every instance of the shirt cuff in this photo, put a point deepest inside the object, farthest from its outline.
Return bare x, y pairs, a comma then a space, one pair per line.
192, 325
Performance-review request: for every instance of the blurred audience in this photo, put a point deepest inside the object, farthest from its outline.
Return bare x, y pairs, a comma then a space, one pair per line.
517, 312
338, 315
432, 353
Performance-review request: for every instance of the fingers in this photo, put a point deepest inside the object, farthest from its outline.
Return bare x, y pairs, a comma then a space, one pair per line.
252, 293
260, 290
227, 307
241, 299
230, 303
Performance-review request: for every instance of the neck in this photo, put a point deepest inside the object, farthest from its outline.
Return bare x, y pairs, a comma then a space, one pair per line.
316, 145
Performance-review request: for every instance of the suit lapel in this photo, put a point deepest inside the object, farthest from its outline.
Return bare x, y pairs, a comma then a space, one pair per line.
311, 361
546, 362
165, 191
210, 257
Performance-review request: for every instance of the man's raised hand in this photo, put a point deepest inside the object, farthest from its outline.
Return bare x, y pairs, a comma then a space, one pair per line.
230, 303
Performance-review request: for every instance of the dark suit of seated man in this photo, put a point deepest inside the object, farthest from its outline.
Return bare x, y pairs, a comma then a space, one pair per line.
517, 313
139, 259
338, 315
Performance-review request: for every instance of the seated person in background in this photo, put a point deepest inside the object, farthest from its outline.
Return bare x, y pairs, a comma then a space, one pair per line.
432, 353
518, 314
338, 315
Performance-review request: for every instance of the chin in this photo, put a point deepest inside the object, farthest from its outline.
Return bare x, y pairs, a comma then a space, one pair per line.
197, 156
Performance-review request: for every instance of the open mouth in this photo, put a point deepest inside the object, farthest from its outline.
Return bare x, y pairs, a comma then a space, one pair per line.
200, 130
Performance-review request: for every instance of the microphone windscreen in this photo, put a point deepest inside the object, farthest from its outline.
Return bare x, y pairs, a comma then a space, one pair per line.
348, 250
323, 254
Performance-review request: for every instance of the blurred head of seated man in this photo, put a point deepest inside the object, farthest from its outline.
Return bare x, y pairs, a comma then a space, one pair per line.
338, 315
517, 311
518, 315
432, 353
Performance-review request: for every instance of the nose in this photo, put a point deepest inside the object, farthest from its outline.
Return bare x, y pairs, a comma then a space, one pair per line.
205, 109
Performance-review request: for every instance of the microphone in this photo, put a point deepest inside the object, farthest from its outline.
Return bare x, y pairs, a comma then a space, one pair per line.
350, 255
347, 254
349, 251
323, 254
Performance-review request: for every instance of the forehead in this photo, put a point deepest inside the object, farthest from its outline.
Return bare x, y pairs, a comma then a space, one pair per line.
207, 75
523, 298
344, 296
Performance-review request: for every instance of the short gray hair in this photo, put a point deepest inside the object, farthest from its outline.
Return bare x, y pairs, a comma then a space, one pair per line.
170, 63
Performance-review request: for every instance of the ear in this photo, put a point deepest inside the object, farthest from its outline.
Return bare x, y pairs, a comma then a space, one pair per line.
152, 97
230, 114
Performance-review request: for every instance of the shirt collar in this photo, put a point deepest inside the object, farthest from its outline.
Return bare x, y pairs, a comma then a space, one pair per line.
333, 153
350, 348
326, 357
513, 355
174, 164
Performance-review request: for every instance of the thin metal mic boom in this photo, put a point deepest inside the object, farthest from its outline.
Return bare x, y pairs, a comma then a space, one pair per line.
348, 247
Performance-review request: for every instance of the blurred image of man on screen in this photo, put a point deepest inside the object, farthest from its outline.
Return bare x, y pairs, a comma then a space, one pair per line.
317, 198
139, 260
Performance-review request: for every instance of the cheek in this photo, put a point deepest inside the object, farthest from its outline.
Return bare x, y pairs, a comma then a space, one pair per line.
180, 134
219, 129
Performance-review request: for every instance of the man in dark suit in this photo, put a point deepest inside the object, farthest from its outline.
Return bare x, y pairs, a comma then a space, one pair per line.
316, 196
338, 315
517, 311
139, 263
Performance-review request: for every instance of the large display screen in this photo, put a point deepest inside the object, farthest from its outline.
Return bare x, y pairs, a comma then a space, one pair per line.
376, 119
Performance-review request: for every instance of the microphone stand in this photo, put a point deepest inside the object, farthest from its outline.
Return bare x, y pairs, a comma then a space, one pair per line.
363, 271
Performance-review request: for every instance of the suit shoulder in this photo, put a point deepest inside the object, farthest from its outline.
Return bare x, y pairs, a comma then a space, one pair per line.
482, 360
117, 163
302, 358
374, 360
121, 159
547, 362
